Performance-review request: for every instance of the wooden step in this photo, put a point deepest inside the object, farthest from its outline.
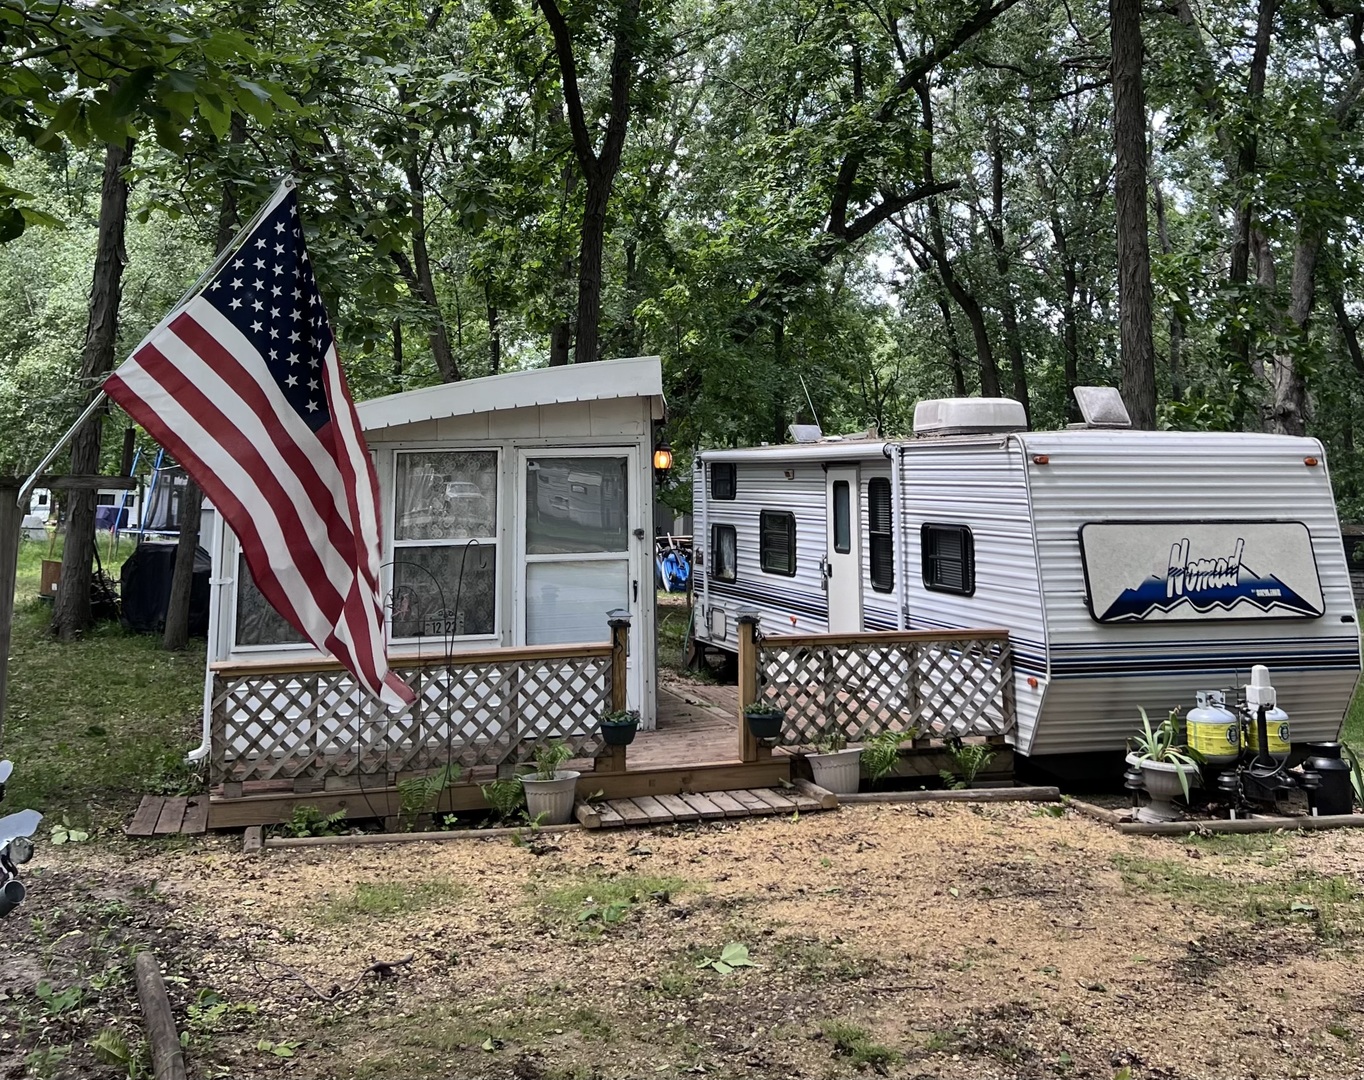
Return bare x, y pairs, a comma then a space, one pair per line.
170, 815
713, 805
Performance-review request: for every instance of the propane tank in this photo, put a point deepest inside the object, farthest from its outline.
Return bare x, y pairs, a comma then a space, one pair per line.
1259, 692
1214, 730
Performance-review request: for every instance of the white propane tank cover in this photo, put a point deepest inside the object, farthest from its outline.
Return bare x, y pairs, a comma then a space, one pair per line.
1258, 690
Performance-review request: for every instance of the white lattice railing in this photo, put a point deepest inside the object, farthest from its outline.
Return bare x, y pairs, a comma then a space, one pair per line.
937, 684
274, 720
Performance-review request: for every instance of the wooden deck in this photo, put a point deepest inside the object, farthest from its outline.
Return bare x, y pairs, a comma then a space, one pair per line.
715, 805
170, 815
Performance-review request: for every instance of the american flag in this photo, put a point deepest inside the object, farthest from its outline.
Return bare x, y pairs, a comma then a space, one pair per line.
243, 386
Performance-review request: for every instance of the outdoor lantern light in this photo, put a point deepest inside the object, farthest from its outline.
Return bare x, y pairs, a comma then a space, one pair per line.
663, 461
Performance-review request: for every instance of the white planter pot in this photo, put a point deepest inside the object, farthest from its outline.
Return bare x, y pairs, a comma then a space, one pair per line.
1161, 780
838, 772
552, 798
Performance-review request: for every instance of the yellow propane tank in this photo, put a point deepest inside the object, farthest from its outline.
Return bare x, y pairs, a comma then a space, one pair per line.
1214, 730
1276, 723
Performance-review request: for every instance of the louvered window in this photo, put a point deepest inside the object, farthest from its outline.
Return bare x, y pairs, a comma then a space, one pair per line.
777, 542
881, 534
949, 559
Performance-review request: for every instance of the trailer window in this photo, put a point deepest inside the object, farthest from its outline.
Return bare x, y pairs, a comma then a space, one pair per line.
777, 542
724, 548
842, 518
880, 535
722, 480
949, 558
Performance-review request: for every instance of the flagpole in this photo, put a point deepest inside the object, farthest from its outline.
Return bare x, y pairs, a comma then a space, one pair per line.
98, 400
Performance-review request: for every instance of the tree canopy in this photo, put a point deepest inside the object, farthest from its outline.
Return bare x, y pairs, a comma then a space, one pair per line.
813, 210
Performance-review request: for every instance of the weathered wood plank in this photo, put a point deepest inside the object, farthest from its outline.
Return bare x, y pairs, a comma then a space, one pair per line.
702, 805
172, 815
144, 821
630, 814
728, 803
804, 803
610, 819
779, 802
657, 813
588, 815
827, 799
196, 816
755, 806
680, 809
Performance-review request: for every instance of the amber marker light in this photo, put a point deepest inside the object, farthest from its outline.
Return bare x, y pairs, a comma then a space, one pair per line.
1310, 462
1040, 459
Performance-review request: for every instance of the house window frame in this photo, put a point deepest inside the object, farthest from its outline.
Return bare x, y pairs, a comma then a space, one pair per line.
930, 561
874, 535
394, 547
715, 564
788, 526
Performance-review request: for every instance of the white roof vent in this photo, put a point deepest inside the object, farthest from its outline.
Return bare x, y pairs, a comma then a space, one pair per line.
968, 416
1102, 407
803, 433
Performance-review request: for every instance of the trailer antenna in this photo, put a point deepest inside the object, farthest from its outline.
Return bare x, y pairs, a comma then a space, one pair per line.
809, 401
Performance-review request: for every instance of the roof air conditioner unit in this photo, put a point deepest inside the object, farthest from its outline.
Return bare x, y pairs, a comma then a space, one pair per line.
969, 416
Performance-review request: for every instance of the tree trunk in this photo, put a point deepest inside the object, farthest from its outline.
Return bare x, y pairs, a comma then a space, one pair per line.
1008, 307
1289, 413
953, 346
1137, 345
495, 332
1176, 328
589, 270
71, 612
397, 355
425, 283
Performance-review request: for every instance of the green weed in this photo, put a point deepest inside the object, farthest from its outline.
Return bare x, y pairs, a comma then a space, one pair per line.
390, 898
566, 903
855, 1043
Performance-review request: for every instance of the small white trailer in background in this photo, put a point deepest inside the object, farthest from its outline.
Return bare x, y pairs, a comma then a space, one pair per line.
1131, 568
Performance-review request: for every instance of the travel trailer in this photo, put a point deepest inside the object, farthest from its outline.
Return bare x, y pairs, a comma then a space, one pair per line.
1131, 568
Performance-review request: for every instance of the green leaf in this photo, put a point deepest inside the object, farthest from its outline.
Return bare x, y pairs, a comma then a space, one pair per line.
736, 955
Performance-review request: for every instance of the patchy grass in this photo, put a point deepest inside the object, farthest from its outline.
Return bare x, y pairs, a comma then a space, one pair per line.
1332, 904
567, 902
855, 1044
387, 898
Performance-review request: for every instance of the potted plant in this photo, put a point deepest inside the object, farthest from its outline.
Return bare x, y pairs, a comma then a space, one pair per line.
835, 767
550, 790
618, 728
1168, 768
764, 719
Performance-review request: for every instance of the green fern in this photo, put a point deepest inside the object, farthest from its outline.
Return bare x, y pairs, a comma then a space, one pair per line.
419, 794
504, 797
969, 759
881, 752
308, 820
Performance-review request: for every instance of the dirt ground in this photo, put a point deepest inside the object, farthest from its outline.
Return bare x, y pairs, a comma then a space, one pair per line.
911, 941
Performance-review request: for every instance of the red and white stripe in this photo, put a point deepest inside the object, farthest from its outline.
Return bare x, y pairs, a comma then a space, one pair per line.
303, 504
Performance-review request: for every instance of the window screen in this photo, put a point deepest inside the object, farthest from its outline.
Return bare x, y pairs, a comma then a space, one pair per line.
949, 559
722, 480
724, 552
881, 535
777, 541
842, 518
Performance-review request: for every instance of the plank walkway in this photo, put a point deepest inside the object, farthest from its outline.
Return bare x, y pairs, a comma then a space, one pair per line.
170, 815
711, 806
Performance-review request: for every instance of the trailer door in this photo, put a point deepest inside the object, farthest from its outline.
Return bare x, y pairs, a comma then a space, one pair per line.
843, 558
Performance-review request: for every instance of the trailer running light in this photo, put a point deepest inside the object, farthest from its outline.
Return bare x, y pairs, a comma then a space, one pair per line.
1040, 459
1032, 681
1310, 462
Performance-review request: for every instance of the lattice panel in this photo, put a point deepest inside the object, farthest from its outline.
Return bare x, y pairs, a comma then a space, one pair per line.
941, 687
318, 724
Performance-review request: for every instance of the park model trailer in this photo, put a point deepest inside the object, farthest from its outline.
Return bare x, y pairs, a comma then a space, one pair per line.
1131, 568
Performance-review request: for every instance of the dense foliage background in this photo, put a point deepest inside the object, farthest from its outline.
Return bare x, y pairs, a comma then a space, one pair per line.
872, 200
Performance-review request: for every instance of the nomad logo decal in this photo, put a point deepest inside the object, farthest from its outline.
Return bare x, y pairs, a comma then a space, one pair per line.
1235, 570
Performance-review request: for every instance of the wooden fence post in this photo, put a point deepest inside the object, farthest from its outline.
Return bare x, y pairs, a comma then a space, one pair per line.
619, 622
748, 681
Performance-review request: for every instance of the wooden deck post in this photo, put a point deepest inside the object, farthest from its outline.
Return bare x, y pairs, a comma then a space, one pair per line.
748, 681
613, 761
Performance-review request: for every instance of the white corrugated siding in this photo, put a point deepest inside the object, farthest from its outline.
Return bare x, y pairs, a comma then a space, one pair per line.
983, 488
786, 604
1100, 673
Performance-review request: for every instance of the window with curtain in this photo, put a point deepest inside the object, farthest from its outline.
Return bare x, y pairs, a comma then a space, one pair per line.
724, 548
444, 544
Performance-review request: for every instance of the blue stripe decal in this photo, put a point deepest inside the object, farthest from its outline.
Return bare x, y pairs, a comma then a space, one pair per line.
771, 597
